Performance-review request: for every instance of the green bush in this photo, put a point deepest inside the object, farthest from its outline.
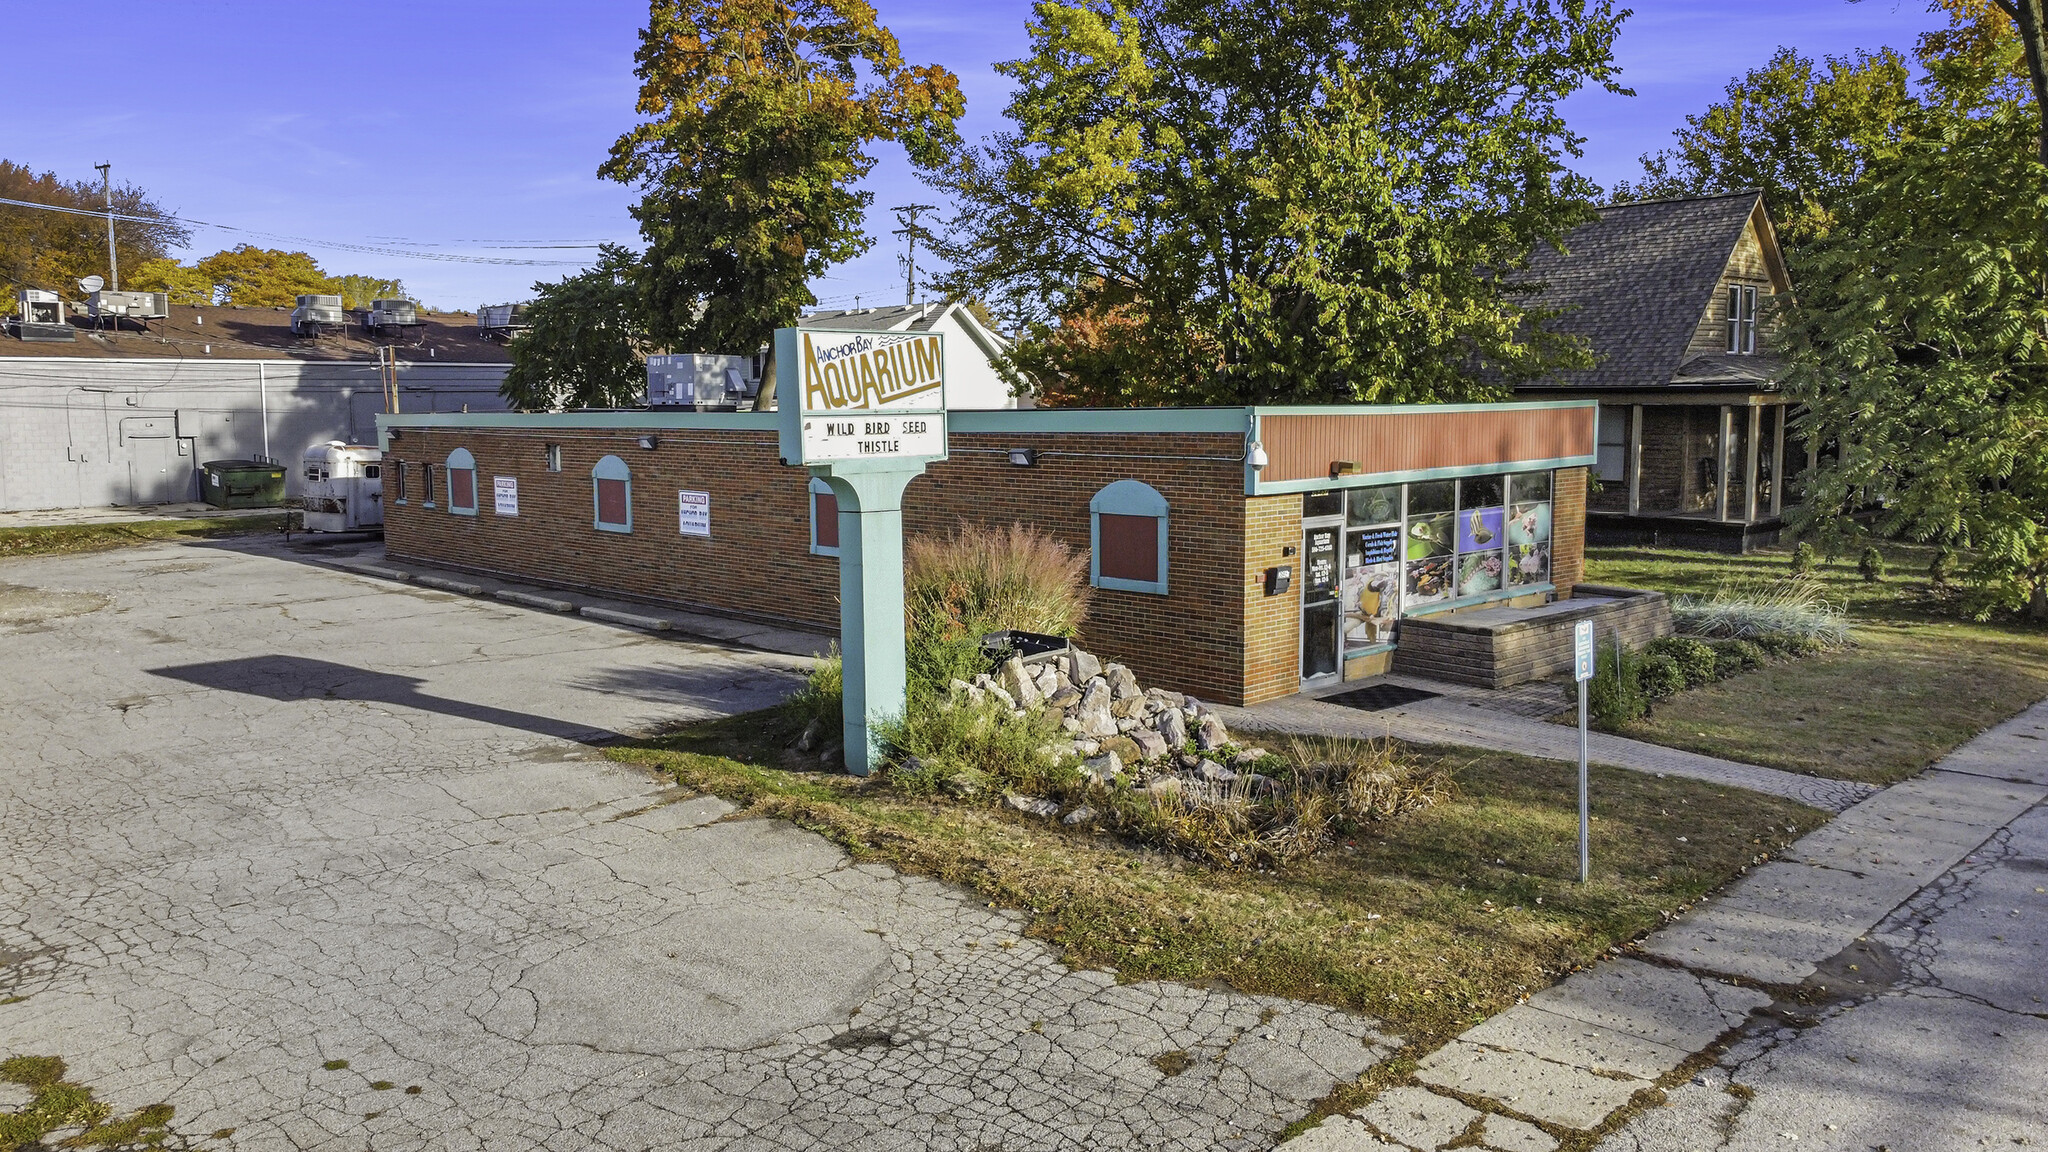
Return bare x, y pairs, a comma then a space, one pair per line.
1786, 645
820, 699
1803, 559
1870, 566
1694, 658
965, 748
1732, 657
1659, 677
1614, 699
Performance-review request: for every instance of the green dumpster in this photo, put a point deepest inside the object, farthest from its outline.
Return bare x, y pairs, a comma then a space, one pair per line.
243, 484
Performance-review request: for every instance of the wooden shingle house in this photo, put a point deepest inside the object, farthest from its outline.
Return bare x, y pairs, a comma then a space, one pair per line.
1670, 294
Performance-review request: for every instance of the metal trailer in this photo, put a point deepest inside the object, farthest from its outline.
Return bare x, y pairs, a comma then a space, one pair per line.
315, 312
342, 487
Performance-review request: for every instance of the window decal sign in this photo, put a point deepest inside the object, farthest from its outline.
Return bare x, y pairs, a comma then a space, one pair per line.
693, 513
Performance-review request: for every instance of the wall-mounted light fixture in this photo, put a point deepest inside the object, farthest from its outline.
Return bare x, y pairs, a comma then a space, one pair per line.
1257, 456
649, 443
1024, 457
1342, 468
396, 433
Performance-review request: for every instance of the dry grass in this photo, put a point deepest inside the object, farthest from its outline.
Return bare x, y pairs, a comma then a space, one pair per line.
67, 538
983, 580
1430, 920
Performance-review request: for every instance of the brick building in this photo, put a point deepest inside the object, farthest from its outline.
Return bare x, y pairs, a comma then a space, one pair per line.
1214, 572
1672, 297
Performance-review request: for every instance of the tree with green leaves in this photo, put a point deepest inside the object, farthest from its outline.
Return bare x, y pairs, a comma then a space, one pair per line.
760, 116
53, 250
1919, 347
1221, 201
586, 341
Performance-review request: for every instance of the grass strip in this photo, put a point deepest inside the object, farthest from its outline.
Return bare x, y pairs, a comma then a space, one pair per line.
66, 538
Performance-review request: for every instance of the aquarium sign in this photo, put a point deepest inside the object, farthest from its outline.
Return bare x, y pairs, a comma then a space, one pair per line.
1376, 545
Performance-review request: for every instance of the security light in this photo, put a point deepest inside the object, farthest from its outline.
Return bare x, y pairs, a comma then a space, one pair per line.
1024, 457
649, 443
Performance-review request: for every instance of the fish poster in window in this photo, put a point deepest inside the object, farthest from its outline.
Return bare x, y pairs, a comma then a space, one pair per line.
1528, 563
1530, 523
1479, 529
1431, 536
1428, 580
1479, 573
1372, 604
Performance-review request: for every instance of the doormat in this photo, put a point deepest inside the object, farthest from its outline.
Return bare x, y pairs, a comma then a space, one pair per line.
1379, 697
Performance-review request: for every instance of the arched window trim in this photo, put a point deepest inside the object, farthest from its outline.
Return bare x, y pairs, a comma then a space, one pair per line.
1126, 498
820, 488
610, 468
460, 460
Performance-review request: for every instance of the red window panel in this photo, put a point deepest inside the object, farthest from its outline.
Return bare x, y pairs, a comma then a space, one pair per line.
825, 513
462, 488
611, 502
1130, 547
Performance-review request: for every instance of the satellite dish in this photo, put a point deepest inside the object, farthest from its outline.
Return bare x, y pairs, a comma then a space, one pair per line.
91, 284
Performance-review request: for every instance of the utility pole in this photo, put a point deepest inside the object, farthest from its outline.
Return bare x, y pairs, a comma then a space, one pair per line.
113, 265
906, 215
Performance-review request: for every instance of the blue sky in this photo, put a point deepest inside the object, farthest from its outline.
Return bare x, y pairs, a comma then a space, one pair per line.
466, 128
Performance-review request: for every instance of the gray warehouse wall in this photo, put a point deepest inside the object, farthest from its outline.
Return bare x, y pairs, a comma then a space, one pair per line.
80, 433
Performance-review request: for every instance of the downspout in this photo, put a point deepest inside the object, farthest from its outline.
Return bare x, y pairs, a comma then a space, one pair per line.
263, 405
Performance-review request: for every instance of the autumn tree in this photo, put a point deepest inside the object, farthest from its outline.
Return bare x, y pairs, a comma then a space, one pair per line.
53, 250
586, 340
1220, 201
760, 118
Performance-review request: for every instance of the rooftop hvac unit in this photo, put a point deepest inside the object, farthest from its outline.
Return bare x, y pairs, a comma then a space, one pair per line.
130, 305
500, 321
699, 381
392, 314
42, 317
314, 311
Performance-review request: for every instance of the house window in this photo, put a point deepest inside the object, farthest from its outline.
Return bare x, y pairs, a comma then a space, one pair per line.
824, 519
398, 481
554, 457
612, 495
427, 488
1741, 319
1127, 534
462, 482
1611, 453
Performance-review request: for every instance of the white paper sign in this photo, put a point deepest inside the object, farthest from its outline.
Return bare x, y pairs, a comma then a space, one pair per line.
1582, 649
505, 495
693, 513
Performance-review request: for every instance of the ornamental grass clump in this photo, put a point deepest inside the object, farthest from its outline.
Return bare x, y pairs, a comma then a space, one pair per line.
961, 587
1762, 611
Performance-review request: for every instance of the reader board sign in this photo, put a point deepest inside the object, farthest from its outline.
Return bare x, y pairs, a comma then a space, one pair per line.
693, 513
1582, 650
861, 395
505, 495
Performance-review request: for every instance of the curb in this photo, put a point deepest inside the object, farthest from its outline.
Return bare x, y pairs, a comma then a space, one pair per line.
447, 585
630, 620
534, 600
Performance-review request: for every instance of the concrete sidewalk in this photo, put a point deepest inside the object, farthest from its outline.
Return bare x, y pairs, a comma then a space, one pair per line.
1461, 716
1776, 943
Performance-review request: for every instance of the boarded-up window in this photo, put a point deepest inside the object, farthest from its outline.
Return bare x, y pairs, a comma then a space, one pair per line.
824, 519
612, 495
1130, 548
1128, 538
398, 481
462, 482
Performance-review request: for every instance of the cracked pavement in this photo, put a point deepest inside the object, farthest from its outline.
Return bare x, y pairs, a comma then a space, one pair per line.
262, 816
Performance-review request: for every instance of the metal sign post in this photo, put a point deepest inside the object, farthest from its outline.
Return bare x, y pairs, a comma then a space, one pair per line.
864, 411
1582, 669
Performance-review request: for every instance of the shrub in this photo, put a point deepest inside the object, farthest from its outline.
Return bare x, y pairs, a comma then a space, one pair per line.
1790, 608
1736, 656
1942, 568
1870, 565
1784, 645
821, 698
1694, 658
1803, 559
1614, 699
1659, 677
966, 748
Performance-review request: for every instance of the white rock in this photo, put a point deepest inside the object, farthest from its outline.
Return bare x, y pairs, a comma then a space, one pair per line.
1086, 667
1121, 682
1033, 806
1018, 683
1209, 735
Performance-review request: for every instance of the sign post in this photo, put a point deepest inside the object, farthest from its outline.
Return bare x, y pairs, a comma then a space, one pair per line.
865, 412
1582, 670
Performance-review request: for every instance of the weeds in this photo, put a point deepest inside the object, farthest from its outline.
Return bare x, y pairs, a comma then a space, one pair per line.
57, 1105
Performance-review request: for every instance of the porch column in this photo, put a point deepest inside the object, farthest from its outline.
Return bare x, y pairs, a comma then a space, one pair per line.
1778, 463
1721, 463
1635, 460
1756, 432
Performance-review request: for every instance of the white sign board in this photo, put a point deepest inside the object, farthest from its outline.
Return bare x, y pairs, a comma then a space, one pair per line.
1582, 650
863, 395
693, 513
505, 495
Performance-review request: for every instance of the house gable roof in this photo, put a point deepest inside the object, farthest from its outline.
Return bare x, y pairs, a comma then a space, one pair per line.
1637, 282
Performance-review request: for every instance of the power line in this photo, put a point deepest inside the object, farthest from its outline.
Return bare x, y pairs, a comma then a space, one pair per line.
371, 249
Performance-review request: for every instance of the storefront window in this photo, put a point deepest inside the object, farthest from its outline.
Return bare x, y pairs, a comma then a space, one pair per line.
1431, 541
1372, 567
1528, 528
1481, 510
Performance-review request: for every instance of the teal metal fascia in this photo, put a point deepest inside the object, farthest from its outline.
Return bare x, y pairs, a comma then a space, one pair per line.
1375, 479
636, 421
1389, 409
995, 422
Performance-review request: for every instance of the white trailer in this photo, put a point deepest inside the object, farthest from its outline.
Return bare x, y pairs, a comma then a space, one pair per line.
342, 487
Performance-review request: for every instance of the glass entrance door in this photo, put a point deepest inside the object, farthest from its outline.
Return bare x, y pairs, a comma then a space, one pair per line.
1321, 605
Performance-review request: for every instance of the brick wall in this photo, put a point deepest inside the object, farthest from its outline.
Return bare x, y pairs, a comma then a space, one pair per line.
1568, 530
1272, 627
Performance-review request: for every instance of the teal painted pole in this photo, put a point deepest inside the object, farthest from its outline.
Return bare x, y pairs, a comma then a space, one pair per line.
870, 599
